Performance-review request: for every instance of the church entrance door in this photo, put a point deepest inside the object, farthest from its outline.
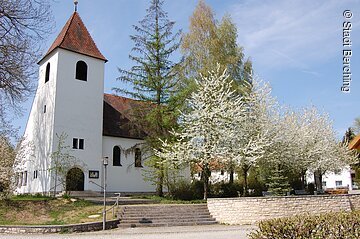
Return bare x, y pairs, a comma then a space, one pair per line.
75, 180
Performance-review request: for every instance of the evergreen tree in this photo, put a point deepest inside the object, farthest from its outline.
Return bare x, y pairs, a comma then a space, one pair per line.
349, 135
153, 78
278, 184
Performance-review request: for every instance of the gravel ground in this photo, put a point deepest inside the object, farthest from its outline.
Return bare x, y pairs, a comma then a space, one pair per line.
198, 232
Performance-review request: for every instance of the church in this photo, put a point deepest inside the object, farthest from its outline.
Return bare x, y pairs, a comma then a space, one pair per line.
70, 101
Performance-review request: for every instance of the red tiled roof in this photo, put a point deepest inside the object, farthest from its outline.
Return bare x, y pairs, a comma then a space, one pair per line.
355, 143
117, 115
75, 37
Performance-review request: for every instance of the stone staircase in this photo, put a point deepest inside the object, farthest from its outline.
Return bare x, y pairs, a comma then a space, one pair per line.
164, 215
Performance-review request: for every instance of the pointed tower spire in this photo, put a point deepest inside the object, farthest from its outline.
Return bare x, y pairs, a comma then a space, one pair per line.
75, 37
76, 3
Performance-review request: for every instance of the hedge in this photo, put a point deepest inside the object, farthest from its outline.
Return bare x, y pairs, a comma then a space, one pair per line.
336, 225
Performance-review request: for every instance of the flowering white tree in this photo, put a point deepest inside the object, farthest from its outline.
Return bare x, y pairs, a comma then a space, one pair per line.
321, 150
251, 134
7, 157
205, 129
306, 142
224, 128
12, 163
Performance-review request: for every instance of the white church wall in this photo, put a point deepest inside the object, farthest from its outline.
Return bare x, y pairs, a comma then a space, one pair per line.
79, 107
38, 136
125, 178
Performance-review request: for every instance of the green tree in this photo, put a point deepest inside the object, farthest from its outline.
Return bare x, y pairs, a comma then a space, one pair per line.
209, 43
153, 79
278, 183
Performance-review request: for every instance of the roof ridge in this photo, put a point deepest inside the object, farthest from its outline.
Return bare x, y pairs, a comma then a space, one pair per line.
120, 96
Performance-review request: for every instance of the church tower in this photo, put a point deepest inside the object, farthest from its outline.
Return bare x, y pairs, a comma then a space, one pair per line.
68, 100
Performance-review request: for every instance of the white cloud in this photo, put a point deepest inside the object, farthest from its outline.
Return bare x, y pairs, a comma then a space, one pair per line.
291, 33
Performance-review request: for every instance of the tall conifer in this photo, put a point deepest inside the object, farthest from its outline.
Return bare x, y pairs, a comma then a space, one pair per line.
153, 78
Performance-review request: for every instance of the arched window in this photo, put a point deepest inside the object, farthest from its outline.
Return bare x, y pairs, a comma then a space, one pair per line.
138, 157
81, 71
47, 72
116, 156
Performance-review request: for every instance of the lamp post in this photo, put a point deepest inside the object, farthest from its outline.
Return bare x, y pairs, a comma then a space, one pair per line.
105, 163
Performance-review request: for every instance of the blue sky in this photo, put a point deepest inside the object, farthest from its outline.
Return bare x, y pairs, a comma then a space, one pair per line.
296, 45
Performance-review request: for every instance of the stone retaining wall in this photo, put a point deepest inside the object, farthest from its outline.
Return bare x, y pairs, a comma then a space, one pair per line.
83, 227
249, 210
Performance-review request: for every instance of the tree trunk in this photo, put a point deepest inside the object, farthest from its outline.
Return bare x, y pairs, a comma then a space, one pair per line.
160, 183
318, 180
245, 170
206, 176
246, 191
231, 180
55, 182
303, 179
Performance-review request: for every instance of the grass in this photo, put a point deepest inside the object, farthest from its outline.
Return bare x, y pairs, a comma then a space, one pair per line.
38, 210
29, 197
166, 200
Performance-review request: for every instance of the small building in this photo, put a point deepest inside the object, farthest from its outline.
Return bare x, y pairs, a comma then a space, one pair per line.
340, 179
355, 144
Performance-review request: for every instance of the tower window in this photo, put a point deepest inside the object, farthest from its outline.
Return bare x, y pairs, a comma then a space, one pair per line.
44, 108
47, 72
138, 157
116, 156
81, 143
75, 143
78, 143
81, 71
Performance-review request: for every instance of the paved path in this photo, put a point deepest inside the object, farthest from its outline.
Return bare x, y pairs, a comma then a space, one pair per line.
186, 232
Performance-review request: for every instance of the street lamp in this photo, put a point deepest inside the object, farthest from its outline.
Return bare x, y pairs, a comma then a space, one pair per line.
105, 163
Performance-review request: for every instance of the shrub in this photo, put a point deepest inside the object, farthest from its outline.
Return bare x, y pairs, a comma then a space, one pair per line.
184, 190
224, 190
198, 189
325, 226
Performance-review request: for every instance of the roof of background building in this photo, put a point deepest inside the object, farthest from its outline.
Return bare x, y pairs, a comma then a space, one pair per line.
355, 143
117, 117
75, 37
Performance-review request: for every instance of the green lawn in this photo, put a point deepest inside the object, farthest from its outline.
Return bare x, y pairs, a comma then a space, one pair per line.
39, 210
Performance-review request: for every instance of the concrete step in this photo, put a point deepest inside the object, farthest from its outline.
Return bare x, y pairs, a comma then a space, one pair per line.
164, 215
172, 220
161, 215
127, 225
168, 207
